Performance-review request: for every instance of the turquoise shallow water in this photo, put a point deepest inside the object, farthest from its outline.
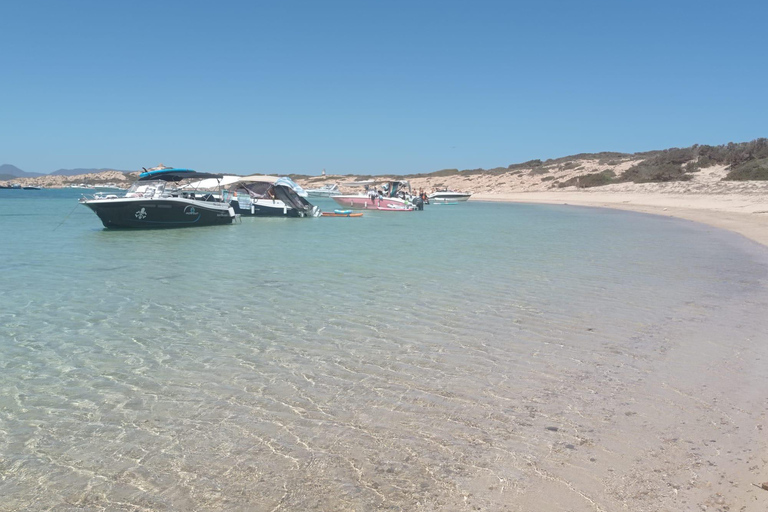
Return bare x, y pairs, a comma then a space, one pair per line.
391, 361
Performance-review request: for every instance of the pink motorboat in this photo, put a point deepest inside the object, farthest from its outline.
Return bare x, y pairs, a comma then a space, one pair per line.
393, 196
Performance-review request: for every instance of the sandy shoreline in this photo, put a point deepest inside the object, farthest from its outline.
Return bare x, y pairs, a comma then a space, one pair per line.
743, 214
739, 206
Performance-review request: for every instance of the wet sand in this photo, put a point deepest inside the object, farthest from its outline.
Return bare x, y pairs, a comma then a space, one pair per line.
700, 444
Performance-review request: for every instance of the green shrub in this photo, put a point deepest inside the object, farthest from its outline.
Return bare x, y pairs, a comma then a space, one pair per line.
754, 170
445, 172
597, 179
526, 165
650, 171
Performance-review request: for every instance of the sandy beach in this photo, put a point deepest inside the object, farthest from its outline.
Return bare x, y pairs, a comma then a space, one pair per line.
739, 206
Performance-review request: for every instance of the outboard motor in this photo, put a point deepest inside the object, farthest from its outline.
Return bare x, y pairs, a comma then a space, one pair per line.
418, 203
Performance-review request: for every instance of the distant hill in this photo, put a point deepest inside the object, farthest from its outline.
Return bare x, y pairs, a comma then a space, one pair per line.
9, 172
742, 161
14, 172
77, 172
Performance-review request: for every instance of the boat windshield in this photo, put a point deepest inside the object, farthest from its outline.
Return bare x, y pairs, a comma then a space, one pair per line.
393, 188
258, 190
148, 189
158, 189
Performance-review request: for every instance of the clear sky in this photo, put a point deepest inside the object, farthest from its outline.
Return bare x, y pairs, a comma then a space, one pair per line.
372, 87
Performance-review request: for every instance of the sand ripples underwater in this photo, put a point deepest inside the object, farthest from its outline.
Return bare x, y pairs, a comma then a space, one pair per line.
477, 357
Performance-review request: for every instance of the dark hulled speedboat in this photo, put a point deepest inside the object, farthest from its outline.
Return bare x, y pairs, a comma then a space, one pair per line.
155, 200
269, 196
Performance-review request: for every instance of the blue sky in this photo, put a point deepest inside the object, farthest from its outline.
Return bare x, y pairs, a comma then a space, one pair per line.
372, 87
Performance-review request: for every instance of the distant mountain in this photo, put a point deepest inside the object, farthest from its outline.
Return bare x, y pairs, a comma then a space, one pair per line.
75, 172
15, 172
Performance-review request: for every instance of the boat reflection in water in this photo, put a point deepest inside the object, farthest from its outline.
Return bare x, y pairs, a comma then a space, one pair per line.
155, 200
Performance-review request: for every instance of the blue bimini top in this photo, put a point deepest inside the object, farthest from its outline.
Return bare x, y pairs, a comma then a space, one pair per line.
176, 175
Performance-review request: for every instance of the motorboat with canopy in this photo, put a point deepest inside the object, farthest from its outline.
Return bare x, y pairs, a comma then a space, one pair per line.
269, 196
157, 200
263, 196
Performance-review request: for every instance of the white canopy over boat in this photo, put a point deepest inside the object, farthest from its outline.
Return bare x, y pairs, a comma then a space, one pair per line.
228, 180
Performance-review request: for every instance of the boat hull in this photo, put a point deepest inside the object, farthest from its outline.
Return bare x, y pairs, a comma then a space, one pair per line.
264, 208
137, 213
378, 203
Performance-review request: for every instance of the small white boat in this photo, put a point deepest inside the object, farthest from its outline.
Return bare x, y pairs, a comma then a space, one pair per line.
448, 196
324, 191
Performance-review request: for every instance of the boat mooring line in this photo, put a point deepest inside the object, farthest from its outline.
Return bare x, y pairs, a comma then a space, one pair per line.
65, 218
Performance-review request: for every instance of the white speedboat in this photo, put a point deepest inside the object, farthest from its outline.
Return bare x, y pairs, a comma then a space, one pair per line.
448, 196
324, 191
